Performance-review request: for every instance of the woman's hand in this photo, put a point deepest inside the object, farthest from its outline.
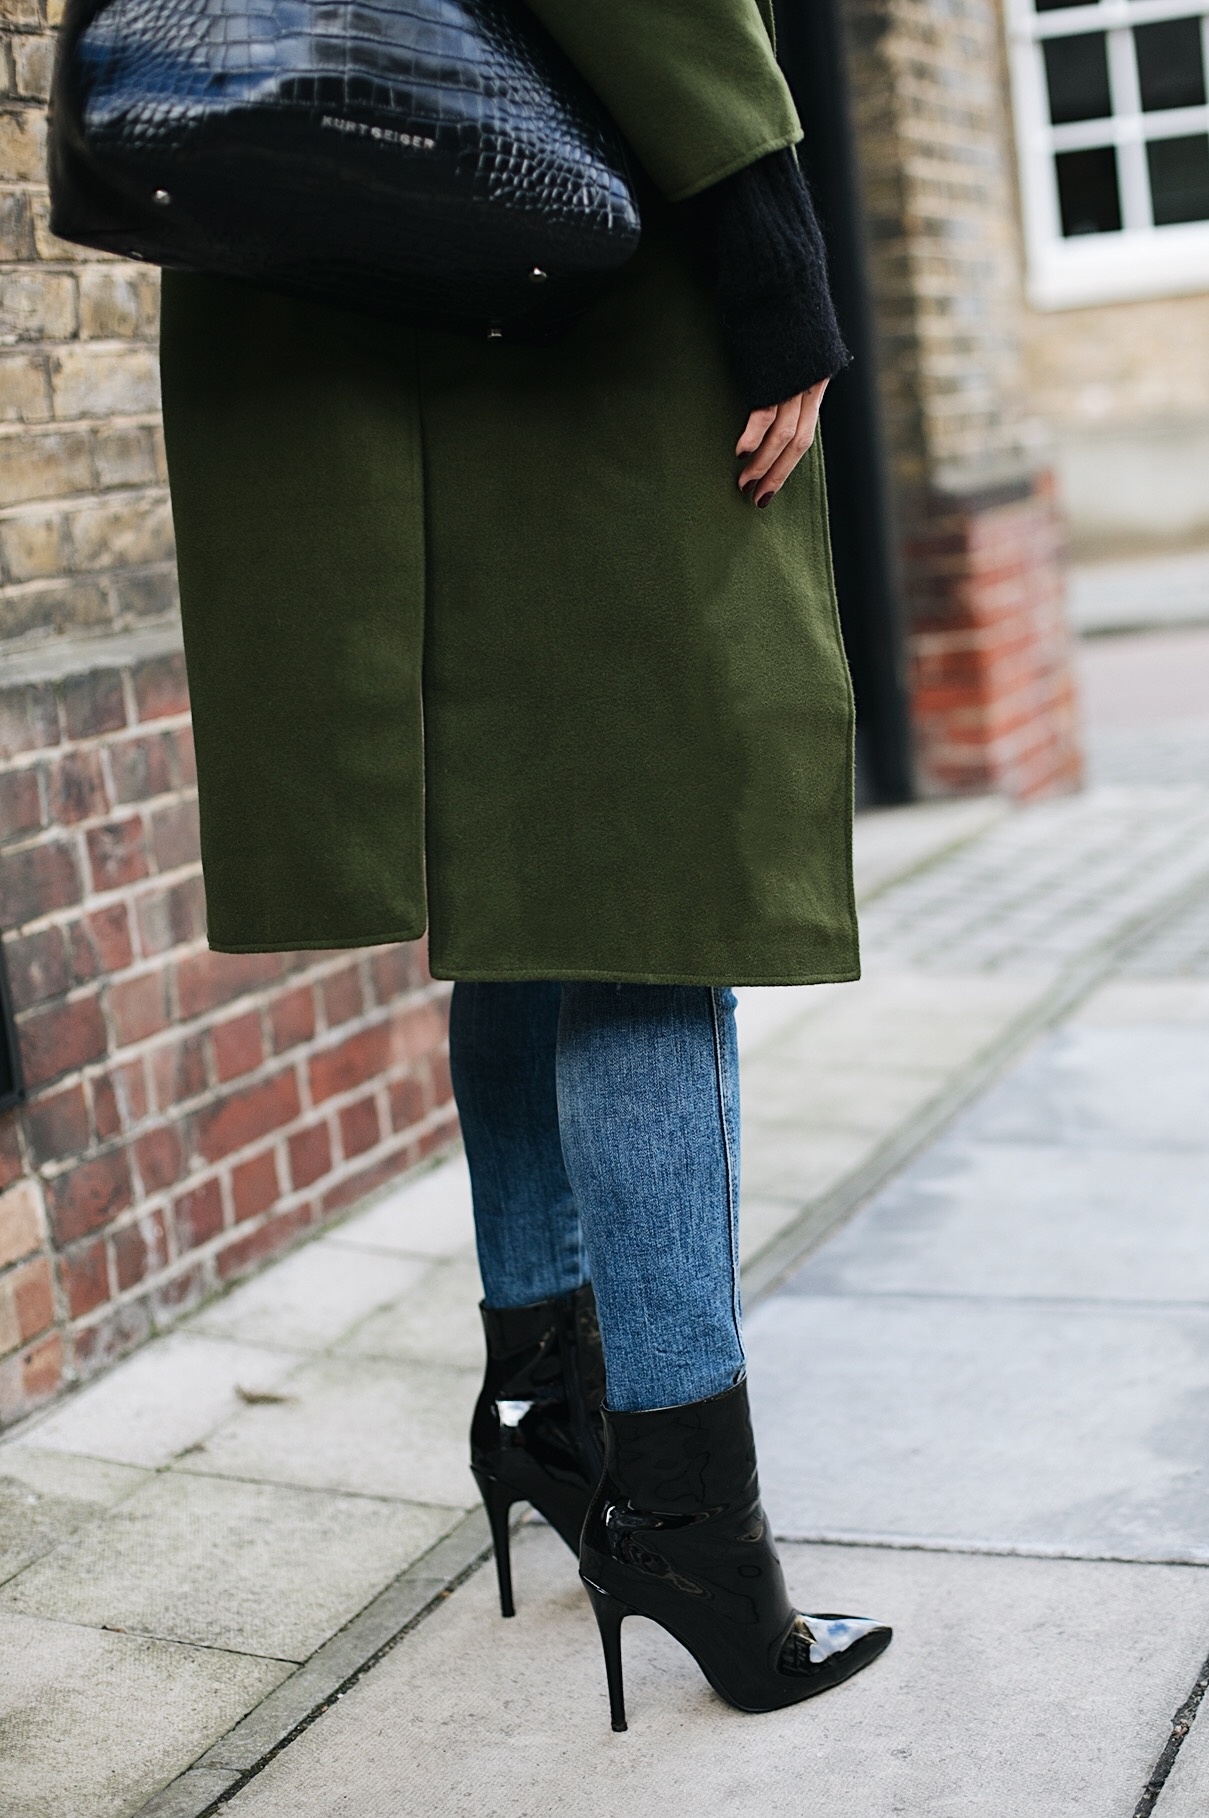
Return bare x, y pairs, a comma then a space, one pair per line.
776, 439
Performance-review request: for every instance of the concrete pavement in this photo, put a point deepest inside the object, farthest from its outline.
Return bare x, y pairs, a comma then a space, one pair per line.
981, 1408
981, 1405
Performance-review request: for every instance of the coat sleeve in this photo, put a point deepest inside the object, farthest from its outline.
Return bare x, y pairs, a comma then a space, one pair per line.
693, 84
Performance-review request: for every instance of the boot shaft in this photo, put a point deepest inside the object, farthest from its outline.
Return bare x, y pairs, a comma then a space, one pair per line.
677, 1528
686, 1460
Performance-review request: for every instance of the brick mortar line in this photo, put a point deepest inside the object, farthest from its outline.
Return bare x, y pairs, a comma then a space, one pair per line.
392, 1146
40, 426
326, 1108
242, 1228
321, 1043
115, 813
75, 832
117, 735
39, 584
221, 1166
122, 493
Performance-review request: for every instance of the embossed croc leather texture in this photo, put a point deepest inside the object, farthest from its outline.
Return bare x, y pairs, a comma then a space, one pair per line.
438, 156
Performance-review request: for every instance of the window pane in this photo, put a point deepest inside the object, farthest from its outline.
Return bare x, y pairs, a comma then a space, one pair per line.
1179, 179
1171, 67
1076, 73
1087, 191
1054, 6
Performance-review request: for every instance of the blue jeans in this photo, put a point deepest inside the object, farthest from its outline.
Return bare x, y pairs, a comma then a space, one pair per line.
601, 1125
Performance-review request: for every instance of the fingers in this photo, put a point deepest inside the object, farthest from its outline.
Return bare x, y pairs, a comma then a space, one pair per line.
757, 424
785, 439
777, 436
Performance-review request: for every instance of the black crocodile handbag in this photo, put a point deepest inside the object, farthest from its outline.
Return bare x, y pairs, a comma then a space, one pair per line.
434, 157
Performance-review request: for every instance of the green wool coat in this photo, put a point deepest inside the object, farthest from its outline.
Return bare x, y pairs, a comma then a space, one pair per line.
482, 637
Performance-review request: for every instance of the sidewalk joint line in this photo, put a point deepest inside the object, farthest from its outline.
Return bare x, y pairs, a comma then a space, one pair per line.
1181, 1724
431, 1580
1067, 1302
992, 1549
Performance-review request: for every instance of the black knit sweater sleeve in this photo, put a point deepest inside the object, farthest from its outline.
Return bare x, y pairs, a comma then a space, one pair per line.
771, 270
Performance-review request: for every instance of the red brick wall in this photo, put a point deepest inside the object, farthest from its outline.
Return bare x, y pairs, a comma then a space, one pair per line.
188, 1113
992, 679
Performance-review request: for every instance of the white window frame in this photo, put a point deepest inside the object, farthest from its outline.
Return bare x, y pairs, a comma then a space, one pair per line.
1141, 260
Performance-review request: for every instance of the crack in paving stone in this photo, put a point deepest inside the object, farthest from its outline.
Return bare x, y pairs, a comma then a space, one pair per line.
1181, 1724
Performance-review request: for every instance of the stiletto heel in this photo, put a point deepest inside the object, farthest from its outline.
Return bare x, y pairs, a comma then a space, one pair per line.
610, 1613
676, 1532
498, 1500
535, 1436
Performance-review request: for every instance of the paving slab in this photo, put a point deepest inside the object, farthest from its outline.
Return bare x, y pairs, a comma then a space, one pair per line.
902, 1020
1060, 1428
165, 1398
1113, 1087
820, 1098
794, 1165
1179, 948
327, 1672
96, 1722
309, 1299
428, 1215
1138, 594
891, 843
436, 1322
1034, 1220
257, 1568
44, 1496
763, 1011
1049, 888
362, 1425
1014, 1686
765, 1218
1156, 1001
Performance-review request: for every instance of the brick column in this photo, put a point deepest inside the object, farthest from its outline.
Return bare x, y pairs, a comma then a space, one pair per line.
991, 671
189, 1113
85, 526
992, 685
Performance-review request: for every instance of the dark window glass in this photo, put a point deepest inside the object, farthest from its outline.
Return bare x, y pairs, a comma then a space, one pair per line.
1179, 179
1076, 74
1087, 191
1171, 64
1054, 6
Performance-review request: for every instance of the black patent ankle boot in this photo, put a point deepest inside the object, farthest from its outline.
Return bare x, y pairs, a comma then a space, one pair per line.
535, 1436
676, 1532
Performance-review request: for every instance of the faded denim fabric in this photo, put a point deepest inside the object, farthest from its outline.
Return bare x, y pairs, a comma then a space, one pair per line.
601, 1125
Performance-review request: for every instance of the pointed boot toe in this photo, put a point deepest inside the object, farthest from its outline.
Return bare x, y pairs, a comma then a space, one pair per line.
676, 1532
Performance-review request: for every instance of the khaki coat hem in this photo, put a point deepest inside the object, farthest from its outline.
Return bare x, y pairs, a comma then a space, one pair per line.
319, 943
577, 975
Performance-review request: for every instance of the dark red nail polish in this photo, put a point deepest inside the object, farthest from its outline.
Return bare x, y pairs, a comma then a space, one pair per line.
765, 499
750, 488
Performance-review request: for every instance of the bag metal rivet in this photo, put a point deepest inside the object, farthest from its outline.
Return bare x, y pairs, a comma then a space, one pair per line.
537, 275
161, 196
